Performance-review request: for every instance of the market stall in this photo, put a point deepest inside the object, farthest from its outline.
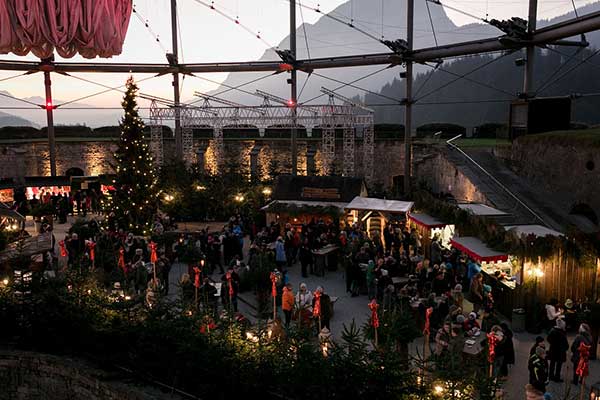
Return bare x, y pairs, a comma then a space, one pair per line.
497, 269
481, 210
376, 213
429, 228
535, 230
298, 200
33, 248
10, 220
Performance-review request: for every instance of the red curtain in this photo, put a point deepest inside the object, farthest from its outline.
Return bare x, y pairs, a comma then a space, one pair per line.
92, 28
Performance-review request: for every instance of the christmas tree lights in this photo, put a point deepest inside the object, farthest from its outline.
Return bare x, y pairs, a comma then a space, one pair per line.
135, 182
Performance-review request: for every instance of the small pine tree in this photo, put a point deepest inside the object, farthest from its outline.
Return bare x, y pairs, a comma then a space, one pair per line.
133, 204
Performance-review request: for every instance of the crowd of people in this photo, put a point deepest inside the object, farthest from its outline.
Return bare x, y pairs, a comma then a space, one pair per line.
61, 203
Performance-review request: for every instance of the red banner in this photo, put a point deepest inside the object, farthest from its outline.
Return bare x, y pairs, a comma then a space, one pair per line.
91, 245
273, 284
373, 306
317, 308
197, 277
583, 367
122, 259
63, 249
153, 256
427, 329
492, 340
228, 277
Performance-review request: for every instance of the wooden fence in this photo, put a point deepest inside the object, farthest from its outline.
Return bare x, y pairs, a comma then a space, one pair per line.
563, 278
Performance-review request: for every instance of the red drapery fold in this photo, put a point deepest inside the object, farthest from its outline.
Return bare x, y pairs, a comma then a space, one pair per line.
92, 28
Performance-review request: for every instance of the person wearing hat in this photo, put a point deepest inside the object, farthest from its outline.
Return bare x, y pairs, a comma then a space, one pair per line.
538, 369
280, 256
383, 282
539, 342
471, 325
476, 291
488, 299
557, 353
570, 314
584, 336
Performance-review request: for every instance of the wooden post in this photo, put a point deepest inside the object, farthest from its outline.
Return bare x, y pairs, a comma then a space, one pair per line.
274, 308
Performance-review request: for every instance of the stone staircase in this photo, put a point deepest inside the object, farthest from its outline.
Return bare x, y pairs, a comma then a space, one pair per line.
507, 191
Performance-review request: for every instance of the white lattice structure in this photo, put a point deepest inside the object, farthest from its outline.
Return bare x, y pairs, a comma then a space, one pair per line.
156, 137
327, 117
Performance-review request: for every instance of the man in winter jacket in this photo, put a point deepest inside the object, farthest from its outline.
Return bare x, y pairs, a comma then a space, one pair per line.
557, 353
538, 370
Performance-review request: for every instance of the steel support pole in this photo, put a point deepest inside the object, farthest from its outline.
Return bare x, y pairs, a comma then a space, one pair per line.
531, 26
50, 119
294, 88
176, 99
410, 15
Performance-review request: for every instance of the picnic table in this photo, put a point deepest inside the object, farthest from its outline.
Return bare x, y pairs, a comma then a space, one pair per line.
473, 345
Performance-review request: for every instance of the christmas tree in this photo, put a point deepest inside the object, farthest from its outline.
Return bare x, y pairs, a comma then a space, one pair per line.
133, 203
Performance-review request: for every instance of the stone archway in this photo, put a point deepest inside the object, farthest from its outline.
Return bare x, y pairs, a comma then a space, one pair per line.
74, 171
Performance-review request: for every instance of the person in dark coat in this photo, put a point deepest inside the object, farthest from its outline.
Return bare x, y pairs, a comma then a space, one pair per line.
306, 258
508, 349
326, 308
557, 353
538, 369
584, 336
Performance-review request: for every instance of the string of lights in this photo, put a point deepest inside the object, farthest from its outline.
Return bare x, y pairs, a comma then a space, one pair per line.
236, 20
147, 25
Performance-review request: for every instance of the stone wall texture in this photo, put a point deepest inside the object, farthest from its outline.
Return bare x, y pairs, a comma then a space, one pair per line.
442, 176
34, 376
95, 157
570, 169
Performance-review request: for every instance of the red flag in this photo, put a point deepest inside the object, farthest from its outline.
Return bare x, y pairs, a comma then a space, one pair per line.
427, 329
197, 277
228, 277
373, 306
91, 245
63, 249
273, 284
583, 367
317, 307
122, 259
153, 256
492, 340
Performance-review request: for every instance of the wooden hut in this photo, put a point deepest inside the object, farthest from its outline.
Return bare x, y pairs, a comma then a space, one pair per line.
428, 228
299, 199
377, 212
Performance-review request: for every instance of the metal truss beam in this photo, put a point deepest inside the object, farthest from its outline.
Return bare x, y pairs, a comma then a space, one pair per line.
544, 36
349, 117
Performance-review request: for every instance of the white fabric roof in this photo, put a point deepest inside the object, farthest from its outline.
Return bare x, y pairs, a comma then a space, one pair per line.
426, 219
481, 209
537, 230
372, 204
300, 203
476, 246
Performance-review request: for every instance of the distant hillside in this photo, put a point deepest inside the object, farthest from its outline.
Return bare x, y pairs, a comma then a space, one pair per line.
12, 120
502, 75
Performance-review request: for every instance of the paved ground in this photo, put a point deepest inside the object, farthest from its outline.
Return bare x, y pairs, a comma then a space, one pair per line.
348, 308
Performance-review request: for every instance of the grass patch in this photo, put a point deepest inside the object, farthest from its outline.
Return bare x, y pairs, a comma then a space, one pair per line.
584, 137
